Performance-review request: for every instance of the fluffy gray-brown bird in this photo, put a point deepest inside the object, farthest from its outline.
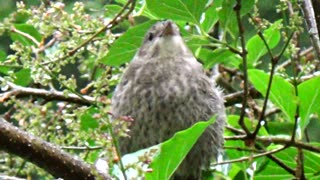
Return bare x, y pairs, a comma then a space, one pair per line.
165, 90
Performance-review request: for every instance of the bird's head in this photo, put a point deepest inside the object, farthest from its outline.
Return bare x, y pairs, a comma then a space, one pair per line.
163, 40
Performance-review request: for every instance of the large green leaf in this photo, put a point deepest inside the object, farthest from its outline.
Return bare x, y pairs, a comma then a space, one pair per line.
180, 10
125, 47
282, 93
309, 96
170, 156
256, 47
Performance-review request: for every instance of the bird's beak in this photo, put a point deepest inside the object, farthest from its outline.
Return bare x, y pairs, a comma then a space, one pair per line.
168, 29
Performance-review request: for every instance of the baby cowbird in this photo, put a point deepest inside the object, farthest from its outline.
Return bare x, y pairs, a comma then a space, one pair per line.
165, 90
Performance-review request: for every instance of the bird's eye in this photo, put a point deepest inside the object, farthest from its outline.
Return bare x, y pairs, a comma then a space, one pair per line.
150, 37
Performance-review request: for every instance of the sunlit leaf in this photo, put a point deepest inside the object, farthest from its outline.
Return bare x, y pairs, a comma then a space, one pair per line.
170, 156
309, 96
189, 11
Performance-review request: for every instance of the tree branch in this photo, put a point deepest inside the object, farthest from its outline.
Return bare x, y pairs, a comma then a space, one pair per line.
243, 54
248, 158
45, 155
309, 13
48, 95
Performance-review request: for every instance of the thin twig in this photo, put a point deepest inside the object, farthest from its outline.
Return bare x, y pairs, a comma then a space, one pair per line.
248, 158
243, 54
241, 149
237, 97
86, 148
235, 130
274, 62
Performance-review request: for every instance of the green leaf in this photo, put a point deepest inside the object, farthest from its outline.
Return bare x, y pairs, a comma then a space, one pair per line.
2, 56
222, 56
256, 47
179, 10
241, 166
246, 6
272, 170
284, 128
123, 2
5, 69
228, 19
211, 16
170, 156
194, 42
28, 29
227, 15
23, 77
141, 8
288, 156
309, 96
87, 120
112, 10
282, 93
125, 47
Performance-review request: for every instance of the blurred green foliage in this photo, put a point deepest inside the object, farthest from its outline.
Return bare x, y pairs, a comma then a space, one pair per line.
37, 38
